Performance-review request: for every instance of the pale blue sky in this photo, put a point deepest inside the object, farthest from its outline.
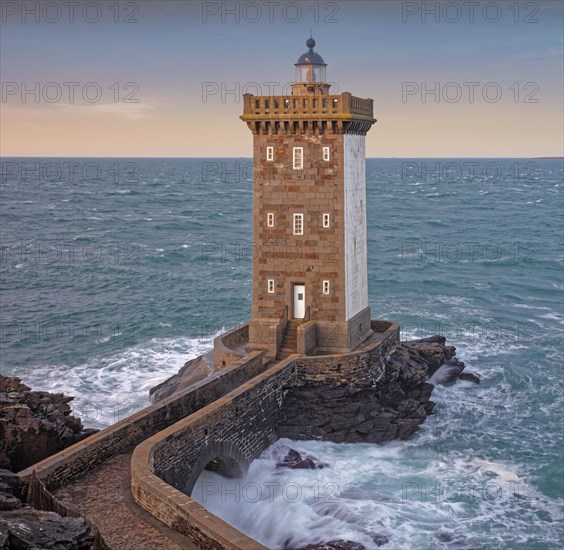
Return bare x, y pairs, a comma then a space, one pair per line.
171, 53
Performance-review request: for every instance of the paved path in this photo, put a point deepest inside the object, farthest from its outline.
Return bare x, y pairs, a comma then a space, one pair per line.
103, 495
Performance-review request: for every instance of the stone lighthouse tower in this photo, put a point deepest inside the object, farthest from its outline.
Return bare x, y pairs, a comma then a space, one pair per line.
310, 283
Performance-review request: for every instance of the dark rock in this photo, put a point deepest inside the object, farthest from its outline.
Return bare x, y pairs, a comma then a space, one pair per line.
436, 339
364, 383
448, 373
433, 355
305, 464
294, 460
9, 482
12, 385
449, 351
382, 422
340, 421
34, 424
9, 502
28, 529
444, 536
392, 407
331, 545
469, 377
291, 458
193, 371
380, 540
406, 428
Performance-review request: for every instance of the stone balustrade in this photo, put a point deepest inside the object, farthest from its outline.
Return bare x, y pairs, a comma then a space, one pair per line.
315, 113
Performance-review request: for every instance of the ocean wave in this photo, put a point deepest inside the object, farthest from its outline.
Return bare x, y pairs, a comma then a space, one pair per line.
108, 389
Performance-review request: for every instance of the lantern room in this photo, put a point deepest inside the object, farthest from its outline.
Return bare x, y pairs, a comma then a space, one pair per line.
311, 68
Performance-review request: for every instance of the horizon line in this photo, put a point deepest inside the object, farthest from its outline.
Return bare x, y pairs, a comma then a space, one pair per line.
547, 157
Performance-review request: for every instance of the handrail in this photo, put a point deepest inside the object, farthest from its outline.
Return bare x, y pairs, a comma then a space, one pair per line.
307, 315
284, 313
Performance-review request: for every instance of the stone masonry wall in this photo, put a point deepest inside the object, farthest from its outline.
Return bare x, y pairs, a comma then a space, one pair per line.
224, 344
354, 368
247, 418
307, 337
61, 467
318, 254
237, 427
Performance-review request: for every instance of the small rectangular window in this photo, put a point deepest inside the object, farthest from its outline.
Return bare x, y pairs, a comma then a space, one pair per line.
298, 224
326, 220
276, 104
326, 153
267, 103
298, 158
326, 287
257, 104
271, 286
270, 153
270, 219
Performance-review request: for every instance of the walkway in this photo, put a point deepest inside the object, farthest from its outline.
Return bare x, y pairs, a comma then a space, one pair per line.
103, 495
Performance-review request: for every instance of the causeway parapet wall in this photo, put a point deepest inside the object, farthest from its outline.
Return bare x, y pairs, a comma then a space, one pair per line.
234, 430
62, 467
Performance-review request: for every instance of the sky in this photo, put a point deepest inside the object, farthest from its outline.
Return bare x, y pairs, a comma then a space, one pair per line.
166, 78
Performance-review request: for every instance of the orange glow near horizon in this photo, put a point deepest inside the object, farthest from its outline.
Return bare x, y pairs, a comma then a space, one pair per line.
173, 57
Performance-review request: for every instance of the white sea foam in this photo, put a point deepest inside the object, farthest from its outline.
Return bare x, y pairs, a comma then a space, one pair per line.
418, 499
110, 388
442, 374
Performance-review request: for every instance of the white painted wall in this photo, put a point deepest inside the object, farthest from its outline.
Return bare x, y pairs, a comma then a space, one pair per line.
356, 275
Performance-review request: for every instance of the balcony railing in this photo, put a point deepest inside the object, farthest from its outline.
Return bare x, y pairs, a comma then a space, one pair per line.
307, 106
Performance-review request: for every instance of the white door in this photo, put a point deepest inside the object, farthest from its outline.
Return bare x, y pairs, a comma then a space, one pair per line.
299, 301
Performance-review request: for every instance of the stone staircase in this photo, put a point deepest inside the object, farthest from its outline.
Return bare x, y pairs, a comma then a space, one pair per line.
290, 340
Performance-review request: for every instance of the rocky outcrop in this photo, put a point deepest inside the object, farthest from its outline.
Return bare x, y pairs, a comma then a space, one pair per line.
469, 377
378, 540
331, 545
34, 424
295, 461
389, 409
29, 529
23, 528
193, 371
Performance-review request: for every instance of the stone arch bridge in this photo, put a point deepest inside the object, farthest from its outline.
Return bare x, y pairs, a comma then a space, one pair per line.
132, 481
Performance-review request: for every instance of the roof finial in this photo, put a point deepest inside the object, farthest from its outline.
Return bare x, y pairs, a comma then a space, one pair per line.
310, 42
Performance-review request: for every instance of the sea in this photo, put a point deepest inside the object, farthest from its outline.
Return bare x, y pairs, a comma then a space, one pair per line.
116, 271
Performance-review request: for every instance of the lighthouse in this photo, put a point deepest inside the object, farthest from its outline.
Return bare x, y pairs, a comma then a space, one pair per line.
310, 280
